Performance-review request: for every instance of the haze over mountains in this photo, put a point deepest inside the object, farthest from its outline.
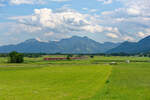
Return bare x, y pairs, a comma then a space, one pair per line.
74, 44
78, 44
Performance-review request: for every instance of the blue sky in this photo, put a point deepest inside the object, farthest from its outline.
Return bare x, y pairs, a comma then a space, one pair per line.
52, 20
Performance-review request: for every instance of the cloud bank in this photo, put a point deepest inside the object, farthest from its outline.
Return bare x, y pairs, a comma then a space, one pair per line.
128, 22
64, 22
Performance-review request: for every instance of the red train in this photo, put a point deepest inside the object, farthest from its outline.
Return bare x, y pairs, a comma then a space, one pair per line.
63, 58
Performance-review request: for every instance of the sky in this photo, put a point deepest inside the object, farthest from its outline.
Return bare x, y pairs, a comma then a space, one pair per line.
53, 20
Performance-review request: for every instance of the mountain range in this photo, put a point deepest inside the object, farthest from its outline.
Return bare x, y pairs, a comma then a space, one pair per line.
141, 46
78, 44
74, 44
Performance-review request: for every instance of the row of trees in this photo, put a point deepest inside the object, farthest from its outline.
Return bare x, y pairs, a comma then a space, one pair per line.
36, 55
15, 57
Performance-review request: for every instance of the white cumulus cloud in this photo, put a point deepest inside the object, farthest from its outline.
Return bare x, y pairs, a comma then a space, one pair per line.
18, 2
60, 0
112, 35
62, 23
106, 1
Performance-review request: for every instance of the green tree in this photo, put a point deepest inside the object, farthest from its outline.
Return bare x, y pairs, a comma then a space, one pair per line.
15, 57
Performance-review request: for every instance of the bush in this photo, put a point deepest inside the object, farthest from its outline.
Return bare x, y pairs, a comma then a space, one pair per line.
15, 57
91, 56
69, 56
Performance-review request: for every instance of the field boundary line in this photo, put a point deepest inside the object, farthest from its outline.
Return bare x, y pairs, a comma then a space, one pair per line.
102, 87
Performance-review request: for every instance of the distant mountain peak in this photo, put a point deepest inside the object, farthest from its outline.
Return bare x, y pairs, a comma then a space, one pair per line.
145, 39
75, 44
36, 40
77, 37
31, 41
133, 47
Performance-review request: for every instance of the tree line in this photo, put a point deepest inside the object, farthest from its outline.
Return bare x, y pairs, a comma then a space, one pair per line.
15, 57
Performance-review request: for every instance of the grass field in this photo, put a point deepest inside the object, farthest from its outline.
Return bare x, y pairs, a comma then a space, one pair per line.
87, 79
127, 82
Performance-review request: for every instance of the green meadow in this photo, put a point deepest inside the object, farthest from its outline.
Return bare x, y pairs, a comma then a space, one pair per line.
85, 79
